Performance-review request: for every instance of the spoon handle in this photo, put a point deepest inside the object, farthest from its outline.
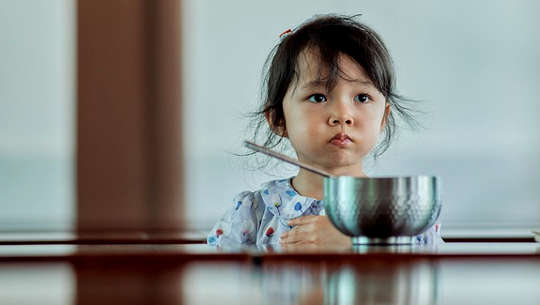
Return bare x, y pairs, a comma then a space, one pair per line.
285, 158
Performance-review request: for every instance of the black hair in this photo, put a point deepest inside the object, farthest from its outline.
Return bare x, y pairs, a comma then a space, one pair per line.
331, 36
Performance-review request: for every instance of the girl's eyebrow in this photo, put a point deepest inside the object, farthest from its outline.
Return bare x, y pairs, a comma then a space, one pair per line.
314, 84
322, 83
361, 82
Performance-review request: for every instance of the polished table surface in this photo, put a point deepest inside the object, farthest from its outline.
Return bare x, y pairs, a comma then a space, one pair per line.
452, 273
199, 251
183, 237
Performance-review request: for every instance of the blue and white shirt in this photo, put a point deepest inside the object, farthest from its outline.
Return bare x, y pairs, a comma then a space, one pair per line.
260, 217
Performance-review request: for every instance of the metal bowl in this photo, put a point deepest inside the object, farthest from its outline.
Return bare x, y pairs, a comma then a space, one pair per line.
382, 210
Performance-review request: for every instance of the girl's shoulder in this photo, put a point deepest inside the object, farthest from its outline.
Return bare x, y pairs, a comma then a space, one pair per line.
267, 188
264, 194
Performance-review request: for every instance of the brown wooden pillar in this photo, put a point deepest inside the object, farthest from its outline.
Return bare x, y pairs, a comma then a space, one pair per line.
128, 115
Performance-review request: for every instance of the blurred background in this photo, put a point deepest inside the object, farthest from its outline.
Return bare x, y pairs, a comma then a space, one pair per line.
37, 114
474, 65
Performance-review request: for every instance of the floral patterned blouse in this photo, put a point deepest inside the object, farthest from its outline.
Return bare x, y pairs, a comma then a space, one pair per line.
260, 217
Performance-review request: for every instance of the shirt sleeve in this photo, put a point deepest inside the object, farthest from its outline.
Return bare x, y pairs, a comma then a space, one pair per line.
430, 237
240, 223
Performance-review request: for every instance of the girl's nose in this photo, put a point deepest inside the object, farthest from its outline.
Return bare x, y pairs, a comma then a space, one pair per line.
337, 121
340, 115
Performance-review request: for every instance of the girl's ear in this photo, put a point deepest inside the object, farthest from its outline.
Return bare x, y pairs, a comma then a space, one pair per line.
278, 130
385, 116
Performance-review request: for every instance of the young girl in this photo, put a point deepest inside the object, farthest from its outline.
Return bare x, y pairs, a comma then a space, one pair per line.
329, 92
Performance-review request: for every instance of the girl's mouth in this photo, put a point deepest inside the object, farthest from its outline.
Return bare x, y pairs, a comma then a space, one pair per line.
341, 140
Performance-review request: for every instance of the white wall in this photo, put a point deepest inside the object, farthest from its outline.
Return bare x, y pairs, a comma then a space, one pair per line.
37, 83
475, 64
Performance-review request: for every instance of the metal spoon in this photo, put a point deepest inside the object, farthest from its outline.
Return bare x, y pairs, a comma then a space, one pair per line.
285, 158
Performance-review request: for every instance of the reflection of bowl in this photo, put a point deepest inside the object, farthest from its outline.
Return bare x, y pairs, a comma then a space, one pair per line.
383, 282
382, 209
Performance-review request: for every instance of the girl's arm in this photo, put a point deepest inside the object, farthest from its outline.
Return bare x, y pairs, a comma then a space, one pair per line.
240, 223
318, 231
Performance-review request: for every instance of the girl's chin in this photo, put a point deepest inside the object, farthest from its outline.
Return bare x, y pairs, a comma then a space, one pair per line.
345, 167
337, 160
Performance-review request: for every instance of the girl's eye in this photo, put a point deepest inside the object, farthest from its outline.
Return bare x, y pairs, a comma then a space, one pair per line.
317, 98
362, 98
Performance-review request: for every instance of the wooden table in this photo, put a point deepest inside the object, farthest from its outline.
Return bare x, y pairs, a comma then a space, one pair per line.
453, 273
89, 238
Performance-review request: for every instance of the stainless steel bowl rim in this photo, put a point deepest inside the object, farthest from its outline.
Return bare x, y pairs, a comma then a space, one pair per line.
381, 207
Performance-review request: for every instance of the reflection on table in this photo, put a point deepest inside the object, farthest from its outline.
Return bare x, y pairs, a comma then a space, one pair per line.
369, 279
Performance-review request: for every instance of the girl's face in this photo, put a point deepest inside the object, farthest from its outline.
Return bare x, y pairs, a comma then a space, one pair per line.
335, 129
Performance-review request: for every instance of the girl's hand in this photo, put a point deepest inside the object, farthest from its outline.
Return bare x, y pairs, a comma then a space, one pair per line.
313, 231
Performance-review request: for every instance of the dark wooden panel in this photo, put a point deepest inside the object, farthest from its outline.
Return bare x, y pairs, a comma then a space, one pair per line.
128, 115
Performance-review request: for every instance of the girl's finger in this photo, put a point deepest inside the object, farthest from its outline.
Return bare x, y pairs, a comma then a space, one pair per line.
301, 246
302, 220
292, 236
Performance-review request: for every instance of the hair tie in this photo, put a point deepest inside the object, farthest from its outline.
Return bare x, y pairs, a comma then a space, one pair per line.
284, 34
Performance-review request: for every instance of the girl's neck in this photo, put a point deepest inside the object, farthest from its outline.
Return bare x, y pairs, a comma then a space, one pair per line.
310, 185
